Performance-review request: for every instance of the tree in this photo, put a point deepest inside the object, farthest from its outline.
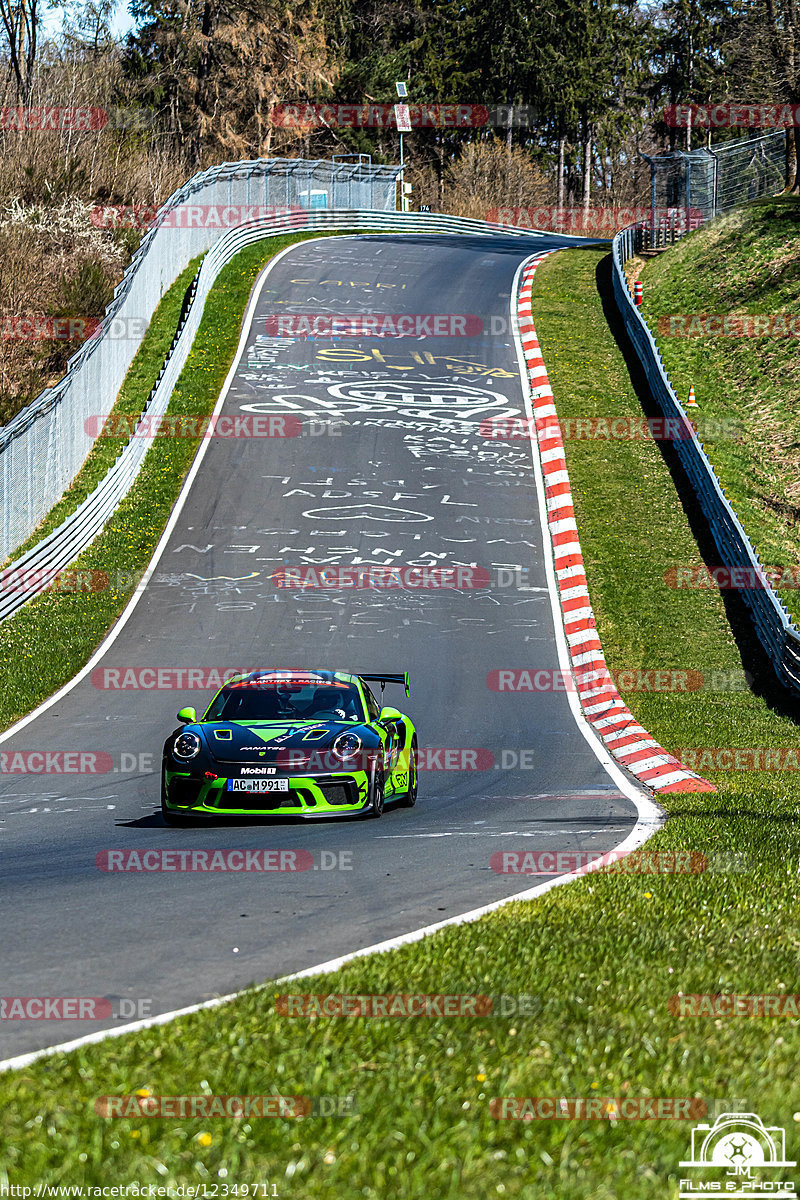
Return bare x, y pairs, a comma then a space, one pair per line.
20, 22
216, 68
765, 60
689, 55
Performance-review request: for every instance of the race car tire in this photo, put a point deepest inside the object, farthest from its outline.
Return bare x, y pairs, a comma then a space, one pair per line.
409, 798
377, 793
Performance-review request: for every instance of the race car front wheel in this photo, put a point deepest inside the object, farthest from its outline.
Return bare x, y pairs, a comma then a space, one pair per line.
378, 791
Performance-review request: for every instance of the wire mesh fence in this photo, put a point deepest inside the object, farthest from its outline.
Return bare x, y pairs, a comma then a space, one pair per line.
707, 183
749, 169
44, 446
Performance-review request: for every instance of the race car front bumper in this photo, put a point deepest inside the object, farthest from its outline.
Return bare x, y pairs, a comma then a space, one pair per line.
310, 796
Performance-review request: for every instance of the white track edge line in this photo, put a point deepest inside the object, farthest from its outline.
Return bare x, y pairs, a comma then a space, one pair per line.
650, 816
333, 964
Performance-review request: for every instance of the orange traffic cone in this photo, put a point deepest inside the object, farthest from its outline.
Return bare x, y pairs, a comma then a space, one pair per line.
691, 402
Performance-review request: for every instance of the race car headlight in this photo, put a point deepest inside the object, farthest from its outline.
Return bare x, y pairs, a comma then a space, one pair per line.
186, 746
346, 746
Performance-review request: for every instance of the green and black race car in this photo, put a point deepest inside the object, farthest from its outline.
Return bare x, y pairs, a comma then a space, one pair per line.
291, 743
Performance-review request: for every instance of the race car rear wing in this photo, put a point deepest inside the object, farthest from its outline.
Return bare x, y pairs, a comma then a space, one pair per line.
384, 679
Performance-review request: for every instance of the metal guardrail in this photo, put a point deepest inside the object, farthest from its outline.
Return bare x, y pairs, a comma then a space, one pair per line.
43, 447
773, 627
38, 568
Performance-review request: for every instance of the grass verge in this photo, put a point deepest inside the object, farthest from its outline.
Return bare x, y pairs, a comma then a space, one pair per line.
44, 644
599, 960
748, 262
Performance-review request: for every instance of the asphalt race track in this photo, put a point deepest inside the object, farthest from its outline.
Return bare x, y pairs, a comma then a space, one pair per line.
390, 468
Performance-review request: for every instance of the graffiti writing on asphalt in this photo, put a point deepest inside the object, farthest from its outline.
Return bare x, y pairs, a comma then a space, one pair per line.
431, 399
430, 404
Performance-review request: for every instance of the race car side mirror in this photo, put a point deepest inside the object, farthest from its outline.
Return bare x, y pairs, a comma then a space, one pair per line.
188, 716
390, 714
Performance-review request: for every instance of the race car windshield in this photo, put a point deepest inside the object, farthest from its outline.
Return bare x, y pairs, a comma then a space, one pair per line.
280, 700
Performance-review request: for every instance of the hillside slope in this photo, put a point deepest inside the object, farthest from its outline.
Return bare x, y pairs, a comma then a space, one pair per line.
747, 384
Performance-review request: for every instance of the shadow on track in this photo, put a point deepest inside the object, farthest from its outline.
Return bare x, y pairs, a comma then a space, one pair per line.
764, 682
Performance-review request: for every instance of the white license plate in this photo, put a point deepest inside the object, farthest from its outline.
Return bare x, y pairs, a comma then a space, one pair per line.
258, 785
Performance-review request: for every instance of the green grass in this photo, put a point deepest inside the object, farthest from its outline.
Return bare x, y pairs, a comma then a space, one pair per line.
44, 644
602, 957
748, 262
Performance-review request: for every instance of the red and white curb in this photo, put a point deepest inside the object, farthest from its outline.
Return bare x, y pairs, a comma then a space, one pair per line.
602, 704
